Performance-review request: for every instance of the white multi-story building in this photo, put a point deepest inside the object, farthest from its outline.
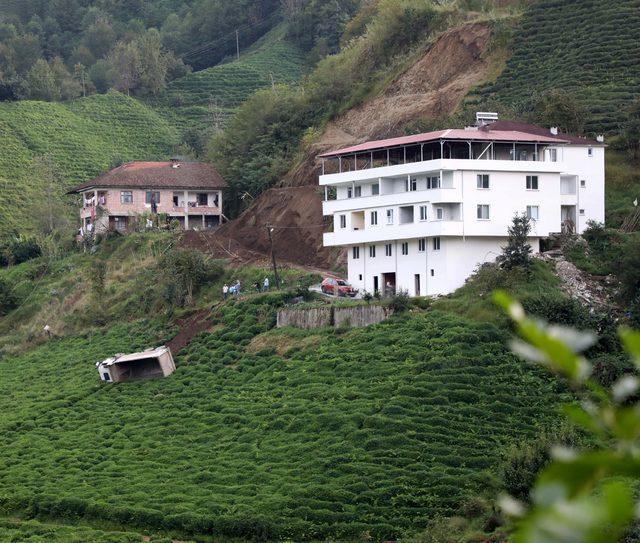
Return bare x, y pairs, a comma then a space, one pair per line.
420, 213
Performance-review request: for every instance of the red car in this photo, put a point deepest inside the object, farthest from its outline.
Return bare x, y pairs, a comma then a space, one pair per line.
337, 287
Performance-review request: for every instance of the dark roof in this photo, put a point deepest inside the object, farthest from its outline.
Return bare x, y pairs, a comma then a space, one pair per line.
539, 131
187, 175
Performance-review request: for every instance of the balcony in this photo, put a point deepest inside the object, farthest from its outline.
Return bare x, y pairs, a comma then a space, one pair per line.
429, 166
384, 233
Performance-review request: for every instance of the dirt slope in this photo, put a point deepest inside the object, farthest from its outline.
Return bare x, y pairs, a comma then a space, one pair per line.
432, 87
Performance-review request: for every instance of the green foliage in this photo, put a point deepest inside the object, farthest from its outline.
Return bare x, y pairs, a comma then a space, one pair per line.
588, 49
18, 250
582, 496
558, 108
400, 302
324, 441
631, 129
83, 138
8, 299
517, 253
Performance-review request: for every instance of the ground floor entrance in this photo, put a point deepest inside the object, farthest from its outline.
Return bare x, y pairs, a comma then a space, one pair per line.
389, 282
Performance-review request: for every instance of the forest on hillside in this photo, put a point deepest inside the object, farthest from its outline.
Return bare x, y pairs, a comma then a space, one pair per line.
62, 49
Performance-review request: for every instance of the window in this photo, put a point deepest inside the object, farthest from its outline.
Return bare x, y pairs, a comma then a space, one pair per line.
405, 248
202, 199
412, 184
483, 181
356, 253
360, 277
533, 212
358, 191
350, 192
583, 183
126, 197
374, 218
343, 221
422, 245
553, 155
120, 223
439, 213
433, 272
433, 182
423, 213
389, 216
436, 244
483, 212
590, 151
582, 212
175, 200
375, 189
387, 250
372, 251
152, 195
106, 376
532, 182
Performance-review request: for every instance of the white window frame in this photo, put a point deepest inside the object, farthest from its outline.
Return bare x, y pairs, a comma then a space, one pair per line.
412, 184
405, 248
374, 218
389, 216
590, 152
372, 251
349, 192
583, 183
480, 181
529, 182
343, 221
424, 213
422, 245
436, 243
433, 182
122, 201
388, 249
582, 213
553, 155
439, 214
358, 191
530, 213
375, 189
356, 252
480, 212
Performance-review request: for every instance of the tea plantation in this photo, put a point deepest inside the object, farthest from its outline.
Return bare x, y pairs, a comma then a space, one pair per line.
83, 138
186, 101
587, 47
325, 440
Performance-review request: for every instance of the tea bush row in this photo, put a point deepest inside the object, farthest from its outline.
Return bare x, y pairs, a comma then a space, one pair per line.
325, 441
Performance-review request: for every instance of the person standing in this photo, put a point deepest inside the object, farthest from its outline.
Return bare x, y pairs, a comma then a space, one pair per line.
265, 284
225, 291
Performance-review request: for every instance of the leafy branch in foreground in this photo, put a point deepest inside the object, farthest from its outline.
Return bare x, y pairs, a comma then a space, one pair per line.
582, 496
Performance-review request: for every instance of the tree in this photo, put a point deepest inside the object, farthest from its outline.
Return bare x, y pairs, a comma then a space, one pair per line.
517, 253
68, 87
154, 62
125, 67
632, 129
81, 75
41, 82
559, 108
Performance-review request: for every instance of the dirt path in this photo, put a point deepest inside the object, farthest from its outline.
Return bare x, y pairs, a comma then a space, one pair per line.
189, 327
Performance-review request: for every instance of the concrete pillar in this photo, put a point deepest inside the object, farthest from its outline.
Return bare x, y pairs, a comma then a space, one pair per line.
186, 210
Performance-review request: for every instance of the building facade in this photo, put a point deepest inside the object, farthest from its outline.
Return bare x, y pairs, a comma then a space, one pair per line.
420, 213
188, 192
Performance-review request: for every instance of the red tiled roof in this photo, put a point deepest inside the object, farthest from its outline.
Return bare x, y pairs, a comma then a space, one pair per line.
450, 134
187, 175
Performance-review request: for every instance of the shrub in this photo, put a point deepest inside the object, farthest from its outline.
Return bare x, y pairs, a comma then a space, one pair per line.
8, 299
400, 301
517, 253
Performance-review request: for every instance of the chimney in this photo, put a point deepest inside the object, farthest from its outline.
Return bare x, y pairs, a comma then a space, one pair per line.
600, 138
554, 130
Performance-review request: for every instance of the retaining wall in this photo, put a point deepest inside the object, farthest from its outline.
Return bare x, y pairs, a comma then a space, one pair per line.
319, 317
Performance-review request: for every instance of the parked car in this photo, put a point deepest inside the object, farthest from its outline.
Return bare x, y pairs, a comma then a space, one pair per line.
338, 287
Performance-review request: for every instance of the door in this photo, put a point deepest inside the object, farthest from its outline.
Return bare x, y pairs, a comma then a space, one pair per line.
376, 285
417, 284
389, 280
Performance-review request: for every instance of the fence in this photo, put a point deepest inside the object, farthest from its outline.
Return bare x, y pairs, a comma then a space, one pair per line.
318, 317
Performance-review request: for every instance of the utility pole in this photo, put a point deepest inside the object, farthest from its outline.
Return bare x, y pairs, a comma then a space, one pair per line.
273, 256
238, 44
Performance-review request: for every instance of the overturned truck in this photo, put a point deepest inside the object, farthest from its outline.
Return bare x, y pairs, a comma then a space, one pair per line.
149, 364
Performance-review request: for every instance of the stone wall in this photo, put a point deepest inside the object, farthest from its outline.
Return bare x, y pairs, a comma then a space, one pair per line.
319, 317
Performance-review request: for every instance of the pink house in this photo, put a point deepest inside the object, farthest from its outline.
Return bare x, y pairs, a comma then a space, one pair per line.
190, 192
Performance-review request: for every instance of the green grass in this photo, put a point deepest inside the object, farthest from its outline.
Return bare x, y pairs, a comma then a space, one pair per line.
323, 441
587, 47
186, 101
622, 187
83, 138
